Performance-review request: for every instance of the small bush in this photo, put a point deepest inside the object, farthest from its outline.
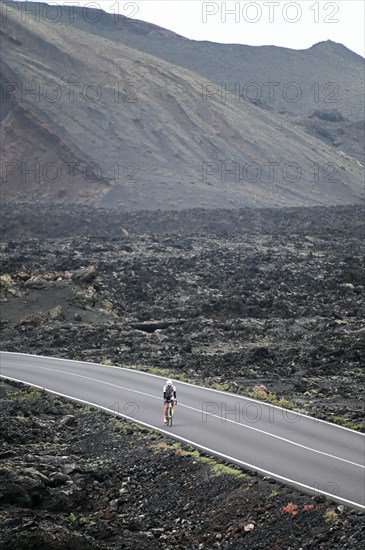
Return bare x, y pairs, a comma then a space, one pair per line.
291, 509
220, 469
220, 387
160, 446
181, 377
83, 520
159, 372
34, 392
345, 423
330, 516
271, 398
72, 517
119, 426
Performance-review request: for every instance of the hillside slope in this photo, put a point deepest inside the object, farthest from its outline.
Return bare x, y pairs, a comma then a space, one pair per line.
88, 120
326, 76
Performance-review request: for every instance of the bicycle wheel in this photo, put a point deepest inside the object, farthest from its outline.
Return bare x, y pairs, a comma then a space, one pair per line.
170, 415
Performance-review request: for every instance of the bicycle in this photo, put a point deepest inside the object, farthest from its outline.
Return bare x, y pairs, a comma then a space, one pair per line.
169, 413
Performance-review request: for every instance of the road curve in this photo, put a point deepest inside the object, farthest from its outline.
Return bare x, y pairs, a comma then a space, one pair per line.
315, 456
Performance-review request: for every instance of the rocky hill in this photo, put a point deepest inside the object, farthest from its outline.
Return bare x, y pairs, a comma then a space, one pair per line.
91, 119
324, 77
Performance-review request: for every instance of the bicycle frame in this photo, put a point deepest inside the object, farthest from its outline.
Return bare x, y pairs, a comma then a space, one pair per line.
169, 413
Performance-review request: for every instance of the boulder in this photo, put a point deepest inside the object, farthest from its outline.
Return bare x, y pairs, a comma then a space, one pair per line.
36, 284
69, 420
6, 280
84, 275
56, 314
35, 319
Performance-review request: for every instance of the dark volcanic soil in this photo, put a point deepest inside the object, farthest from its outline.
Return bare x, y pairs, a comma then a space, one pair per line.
236, 298
72, 477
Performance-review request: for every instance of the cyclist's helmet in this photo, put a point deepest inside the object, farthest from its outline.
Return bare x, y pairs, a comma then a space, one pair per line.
168, 382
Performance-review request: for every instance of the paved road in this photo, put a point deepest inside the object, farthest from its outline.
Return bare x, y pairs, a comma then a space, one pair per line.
315, 456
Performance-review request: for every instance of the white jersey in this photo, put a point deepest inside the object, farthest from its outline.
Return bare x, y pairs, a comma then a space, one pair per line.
171, 391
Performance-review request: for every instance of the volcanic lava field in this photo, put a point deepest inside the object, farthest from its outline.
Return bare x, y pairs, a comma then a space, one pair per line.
227, 298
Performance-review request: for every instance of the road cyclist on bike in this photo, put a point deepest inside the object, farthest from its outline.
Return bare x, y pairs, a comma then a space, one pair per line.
169, 396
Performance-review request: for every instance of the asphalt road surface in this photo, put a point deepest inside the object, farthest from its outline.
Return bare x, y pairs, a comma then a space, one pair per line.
314, 456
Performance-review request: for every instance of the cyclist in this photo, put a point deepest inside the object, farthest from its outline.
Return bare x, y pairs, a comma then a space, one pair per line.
169, 394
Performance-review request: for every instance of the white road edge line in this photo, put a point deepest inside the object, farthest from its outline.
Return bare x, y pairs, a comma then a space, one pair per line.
193, 443
236, 395
289, 441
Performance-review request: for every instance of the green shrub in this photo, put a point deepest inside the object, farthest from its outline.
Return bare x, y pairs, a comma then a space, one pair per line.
220, 387
345, 423
330, 516
221, 469
83, 520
